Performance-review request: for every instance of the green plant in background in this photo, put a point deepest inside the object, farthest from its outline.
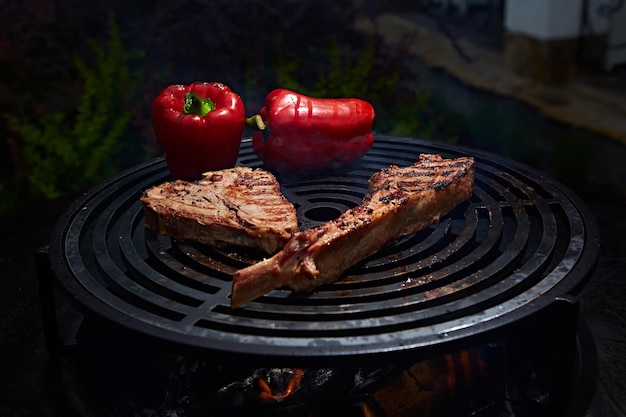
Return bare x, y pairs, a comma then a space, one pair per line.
68, 151
351, 75
413, 117
344, 73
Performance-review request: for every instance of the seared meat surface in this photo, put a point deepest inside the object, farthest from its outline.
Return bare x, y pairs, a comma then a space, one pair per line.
399, 202
240, 206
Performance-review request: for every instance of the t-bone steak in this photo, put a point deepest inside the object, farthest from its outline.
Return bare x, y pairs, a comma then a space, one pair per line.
399, 202
240, 207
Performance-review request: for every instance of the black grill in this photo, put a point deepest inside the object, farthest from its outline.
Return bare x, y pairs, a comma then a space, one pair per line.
520, 243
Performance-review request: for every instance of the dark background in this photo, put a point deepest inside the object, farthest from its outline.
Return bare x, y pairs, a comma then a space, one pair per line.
252, 46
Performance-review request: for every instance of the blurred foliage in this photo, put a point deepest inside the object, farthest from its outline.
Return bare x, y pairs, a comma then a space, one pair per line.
68, 151
77, 104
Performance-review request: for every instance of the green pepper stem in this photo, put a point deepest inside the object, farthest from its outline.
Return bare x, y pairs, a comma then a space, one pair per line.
194, 104
255, 122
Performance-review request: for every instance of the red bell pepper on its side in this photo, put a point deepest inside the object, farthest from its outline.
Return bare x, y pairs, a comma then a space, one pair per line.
199, 127
300, 133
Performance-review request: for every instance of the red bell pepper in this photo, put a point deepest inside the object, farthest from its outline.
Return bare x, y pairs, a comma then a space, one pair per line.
299, 133
199, 127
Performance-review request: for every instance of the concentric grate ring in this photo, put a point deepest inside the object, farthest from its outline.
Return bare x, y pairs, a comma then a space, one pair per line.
520, 241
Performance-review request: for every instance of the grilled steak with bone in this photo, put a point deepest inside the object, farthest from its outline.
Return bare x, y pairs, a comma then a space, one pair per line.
240, 206
399, 202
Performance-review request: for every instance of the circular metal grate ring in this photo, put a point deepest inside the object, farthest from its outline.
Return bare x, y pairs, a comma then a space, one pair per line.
522, 240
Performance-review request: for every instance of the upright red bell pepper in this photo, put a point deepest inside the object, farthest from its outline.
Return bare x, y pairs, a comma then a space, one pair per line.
295, 132
199, 127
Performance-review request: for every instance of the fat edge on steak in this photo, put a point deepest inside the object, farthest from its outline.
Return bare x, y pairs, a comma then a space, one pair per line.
399, 202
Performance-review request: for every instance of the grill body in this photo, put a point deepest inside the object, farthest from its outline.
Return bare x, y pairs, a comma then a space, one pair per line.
522, 242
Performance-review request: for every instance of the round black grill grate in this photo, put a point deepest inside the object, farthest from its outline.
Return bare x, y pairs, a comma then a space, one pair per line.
520, 242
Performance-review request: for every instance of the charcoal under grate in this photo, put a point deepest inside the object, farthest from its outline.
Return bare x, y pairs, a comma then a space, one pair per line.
520, 242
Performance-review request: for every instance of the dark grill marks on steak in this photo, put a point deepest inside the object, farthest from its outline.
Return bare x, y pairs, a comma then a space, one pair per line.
399, 202
240, 206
